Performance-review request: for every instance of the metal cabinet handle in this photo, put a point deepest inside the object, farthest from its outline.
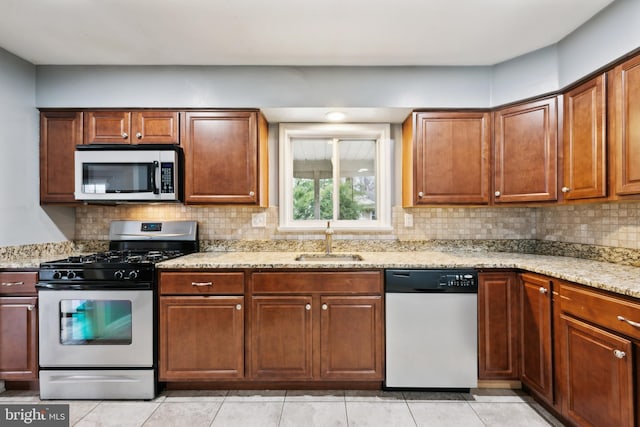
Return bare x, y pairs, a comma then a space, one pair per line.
252, 193
238, 306
497, 194
630, 322
29, 307
543, 290
125, 135
139, 135
565, 189
11, 283
325, 306
201, 283
619, 354
307, 307
421, 195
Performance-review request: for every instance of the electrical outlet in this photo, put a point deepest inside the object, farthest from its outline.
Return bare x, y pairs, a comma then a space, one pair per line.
259, 219
408, 220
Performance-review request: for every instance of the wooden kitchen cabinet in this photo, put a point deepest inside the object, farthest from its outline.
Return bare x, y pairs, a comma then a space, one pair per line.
536, 335
201, 333
446, 158
18, 326
526, 152
585, 144
225, 157
624, 123
600, 356
131, 127
317, 326
60, 132
498, 331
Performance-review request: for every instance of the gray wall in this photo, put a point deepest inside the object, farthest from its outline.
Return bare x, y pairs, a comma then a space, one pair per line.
22, 221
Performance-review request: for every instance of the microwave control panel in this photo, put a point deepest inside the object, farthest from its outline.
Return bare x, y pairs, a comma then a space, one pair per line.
167, 184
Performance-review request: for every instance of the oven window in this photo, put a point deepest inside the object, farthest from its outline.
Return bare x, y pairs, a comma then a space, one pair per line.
118, 177
98, 322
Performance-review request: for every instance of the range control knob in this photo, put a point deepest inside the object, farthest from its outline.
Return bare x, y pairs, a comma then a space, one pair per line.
119, 275
57, 274
71, 274
133, 274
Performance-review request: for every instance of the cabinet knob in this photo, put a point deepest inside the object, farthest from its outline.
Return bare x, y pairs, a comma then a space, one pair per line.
497, 194
543, 290
325, 306
139, 135
420, 195
619, 354
239, 307
565, 189
125, 135
307, 307
252, 193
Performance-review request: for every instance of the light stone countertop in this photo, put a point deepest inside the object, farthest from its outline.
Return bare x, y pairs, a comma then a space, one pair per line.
613, 277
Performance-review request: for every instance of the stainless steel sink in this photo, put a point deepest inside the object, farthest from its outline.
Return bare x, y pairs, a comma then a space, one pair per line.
329, 257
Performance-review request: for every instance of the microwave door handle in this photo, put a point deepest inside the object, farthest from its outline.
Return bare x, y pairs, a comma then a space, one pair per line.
154, 186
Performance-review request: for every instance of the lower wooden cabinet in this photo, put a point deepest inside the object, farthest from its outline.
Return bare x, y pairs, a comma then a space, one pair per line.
18, 338
498, 331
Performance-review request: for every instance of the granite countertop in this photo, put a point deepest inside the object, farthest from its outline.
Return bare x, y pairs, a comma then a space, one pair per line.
612, 277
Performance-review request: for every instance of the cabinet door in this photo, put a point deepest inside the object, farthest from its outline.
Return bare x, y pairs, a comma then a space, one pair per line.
450, 157
221, 157
585, 168
281, 337
625, 126
201, 338
598, 375
154, 127
498, 332
535, 334
351, 337
107, 127
60, 132
526, 152
18, 338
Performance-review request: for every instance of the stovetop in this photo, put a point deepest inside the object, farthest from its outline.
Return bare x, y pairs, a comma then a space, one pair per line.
115, 258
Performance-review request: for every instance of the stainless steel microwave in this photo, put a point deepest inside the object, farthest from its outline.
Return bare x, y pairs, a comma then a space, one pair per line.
128, 173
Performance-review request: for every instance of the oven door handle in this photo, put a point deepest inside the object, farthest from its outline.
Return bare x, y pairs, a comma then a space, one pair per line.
94, 286
154, 181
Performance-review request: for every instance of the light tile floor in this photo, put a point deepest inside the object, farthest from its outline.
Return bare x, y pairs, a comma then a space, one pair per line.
480, 407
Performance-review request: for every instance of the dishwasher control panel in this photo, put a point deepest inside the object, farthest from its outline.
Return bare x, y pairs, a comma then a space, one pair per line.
431, 281
458, 280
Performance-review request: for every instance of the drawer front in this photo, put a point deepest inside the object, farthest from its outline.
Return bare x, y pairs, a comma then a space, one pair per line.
357, 282
18, 283
194, 283
608, 311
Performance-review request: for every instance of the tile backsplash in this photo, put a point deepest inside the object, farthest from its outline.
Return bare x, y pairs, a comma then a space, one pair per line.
603, 224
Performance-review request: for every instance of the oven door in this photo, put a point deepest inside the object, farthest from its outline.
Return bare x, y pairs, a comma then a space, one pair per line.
80, 328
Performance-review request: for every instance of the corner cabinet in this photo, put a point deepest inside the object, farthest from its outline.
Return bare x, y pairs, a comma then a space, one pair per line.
201, 333
18, 326
60, 132
317, 326
131, 127
585, 147
225, 157
526, 152
446, 158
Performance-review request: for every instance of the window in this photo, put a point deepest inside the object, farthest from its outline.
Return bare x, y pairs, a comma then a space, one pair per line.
335, 172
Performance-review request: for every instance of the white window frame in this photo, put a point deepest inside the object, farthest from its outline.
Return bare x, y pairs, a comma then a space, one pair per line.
380, 132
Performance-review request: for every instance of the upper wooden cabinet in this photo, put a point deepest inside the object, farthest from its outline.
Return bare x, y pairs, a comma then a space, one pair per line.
225, 157
585, 166
446, 158
624, 122
526, 152
131, 127
60, 132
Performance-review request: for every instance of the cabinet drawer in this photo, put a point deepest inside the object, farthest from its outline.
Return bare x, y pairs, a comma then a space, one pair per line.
224, 283
318, 282
601, 308
18, 283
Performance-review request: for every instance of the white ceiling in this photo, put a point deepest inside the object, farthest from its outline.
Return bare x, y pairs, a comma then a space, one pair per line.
285, 32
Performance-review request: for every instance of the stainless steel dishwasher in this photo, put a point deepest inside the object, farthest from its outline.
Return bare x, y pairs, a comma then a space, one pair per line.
431, 329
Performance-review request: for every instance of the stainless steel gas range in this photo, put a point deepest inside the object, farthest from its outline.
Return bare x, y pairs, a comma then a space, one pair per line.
97, 314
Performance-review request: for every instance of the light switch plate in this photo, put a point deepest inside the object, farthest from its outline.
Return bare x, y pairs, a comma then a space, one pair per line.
259, 219
408, 220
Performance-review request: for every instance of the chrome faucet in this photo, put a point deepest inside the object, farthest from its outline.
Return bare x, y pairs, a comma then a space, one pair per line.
328, 237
